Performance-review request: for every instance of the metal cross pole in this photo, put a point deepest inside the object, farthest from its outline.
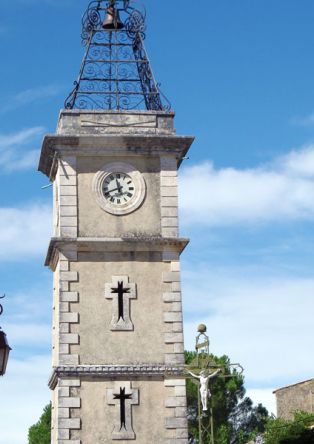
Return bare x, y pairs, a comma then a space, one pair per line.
202, 364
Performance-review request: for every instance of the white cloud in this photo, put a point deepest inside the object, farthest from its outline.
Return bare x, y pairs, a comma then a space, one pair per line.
278, 191
263, 323
24, 394
29, 335
29, 96
13, 154
265, 397
24, 232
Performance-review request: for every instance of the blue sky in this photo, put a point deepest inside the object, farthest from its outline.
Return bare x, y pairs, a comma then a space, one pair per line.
240, 77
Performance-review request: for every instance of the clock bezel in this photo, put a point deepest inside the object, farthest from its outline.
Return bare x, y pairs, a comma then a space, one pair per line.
139, 188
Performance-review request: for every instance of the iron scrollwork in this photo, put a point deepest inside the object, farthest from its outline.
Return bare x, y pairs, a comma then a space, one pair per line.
115, 73
1, 306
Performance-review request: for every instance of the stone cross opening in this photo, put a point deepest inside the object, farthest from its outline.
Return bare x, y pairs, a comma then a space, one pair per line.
121, 292
123, 397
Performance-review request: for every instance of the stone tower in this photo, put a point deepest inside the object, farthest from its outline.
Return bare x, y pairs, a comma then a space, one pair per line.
115, 253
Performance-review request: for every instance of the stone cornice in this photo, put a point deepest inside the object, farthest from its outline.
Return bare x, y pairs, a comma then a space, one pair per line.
114, 371
55, 145
99, 244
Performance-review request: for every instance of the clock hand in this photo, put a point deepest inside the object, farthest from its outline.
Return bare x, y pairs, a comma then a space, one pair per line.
119, 186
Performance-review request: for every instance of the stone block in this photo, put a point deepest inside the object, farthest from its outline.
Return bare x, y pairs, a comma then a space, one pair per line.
178, 348
67, 221
68, 211
176, 306
73, 403
173, 317
169, 192
169, 222
180, 391
68, 191
63, 412
64, 349
69, 296
69, 317
174, 382
64, 392
69, 338
176, 441
181, 412
69, 383
171, 277
64, 328
171, 297
168, 181
169, 212
64, 266
68, 232
68, 359
175, 266
172, 338
170, 232
71, 441
64, 285
71, 276
63, 434
176, 286
169, 202
68, 201
175, 401
177, 327
182, 433
176, 423
174, 358
64, 307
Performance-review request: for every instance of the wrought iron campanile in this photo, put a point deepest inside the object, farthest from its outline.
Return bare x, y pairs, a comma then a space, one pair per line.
115, 73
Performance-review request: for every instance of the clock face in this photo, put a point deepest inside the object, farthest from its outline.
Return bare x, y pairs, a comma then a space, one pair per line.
118, 188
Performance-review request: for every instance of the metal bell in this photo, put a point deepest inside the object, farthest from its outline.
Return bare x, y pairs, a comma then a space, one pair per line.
112, 20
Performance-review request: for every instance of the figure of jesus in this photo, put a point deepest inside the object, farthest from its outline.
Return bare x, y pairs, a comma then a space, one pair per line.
204, 390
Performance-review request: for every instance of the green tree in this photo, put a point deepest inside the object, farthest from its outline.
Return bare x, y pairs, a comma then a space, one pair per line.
40, 433
236, 420
296, 431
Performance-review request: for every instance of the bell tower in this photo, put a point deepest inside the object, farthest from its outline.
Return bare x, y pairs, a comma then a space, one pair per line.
118, 350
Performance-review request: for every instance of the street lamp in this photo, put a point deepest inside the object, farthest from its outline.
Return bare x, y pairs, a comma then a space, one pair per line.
4, 347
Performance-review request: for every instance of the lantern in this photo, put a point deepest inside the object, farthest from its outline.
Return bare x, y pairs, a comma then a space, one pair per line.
4, 352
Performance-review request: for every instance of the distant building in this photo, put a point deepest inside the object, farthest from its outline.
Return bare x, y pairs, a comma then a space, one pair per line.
299, 396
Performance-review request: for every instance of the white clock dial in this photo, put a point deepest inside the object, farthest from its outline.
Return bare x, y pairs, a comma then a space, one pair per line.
118, 188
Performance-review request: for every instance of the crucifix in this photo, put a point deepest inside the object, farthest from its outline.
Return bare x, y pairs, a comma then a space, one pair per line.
121, 292
123, 397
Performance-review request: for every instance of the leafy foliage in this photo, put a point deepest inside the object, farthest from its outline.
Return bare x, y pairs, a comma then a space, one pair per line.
296, 431
236, 420
40, 433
